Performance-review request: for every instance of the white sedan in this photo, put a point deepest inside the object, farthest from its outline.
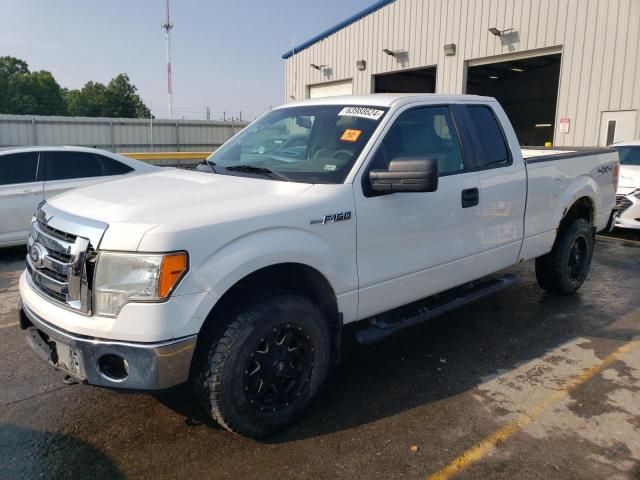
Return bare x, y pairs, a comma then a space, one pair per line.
29, 175
628, 195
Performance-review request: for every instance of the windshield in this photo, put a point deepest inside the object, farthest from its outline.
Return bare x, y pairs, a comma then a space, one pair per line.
310, 144
629, 155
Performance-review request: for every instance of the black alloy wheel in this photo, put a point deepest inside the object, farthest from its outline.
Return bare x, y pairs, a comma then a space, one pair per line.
280, 368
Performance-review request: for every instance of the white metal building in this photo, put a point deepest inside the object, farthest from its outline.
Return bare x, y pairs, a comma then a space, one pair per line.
566, 71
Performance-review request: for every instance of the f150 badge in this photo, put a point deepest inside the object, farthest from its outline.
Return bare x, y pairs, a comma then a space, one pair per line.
334, 217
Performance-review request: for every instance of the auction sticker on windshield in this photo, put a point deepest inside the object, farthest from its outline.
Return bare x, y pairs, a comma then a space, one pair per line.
350, 135
362, 112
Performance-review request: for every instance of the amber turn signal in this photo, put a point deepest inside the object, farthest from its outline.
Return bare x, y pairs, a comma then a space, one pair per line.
173, 267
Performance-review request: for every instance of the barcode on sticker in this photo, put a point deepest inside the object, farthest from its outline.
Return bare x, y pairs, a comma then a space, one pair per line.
363, 112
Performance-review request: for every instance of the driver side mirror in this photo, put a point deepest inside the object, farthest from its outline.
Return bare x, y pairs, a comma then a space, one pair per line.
407, 174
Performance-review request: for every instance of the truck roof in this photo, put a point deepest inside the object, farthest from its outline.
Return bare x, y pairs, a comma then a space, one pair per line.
389, 99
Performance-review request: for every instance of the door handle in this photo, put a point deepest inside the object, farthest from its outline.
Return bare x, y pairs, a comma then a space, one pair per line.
470, 197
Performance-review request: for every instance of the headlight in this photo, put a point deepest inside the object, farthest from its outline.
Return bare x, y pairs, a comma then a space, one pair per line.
637, 194
121, 278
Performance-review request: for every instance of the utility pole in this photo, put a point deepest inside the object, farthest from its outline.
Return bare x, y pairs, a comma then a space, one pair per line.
208, 113
151, 126
167, 26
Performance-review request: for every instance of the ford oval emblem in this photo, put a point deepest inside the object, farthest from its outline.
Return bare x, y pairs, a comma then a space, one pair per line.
37, 254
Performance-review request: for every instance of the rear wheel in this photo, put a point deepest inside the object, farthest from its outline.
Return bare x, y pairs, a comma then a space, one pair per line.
565, 268
268, 364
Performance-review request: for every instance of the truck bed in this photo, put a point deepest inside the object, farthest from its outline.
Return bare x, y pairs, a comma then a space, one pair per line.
556, 179
557, 153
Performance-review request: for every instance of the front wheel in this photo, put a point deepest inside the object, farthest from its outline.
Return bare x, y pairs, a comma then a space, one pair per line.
565, 268
267, 366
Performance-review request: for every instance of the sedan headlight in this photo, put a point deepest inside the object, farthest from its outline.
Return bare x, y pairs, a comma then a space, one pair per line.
637, 194
121, 278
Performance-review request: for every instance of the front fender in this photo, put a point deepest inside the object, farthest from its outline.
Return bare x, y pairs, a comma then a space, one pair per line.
233, 261
253, 251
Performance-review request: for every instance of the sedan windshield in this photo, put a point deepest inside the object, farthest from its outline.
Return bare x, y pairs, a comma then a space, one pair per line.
629, 155
310, 144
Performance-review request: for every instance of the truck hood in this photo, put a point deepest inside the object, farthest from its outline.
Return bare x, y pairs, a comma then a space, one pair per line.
134, 205
629, 176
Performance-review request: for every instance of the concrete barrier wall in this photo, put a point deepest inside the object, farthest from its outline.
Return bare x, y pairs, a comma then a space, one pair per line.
117, 134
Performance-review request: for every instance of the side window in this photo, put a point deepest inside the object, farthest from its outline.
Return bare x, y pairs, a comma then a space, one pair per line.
66, 165
493, 147
18, 168
113, 167
426, 132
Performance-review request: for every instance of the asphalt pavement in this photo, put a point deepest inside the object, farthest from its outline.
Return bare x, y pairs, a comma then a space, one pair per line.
519, 385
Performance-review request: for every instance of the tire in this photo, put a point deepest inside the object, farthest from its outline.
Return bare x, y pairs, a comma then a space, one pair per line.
565, 268
280, 344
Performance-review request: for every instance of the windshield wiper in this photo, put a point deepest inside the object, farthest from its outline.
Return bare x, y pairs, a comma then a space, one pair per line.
259, 171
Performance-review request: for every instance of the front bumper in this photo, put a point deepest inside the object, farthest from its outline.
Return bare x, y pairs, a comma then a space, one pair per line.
628, 210
148, 366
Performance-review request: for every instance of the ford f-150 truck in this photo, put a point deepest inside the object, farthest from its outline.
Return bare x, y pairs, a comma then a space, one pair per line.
383, 209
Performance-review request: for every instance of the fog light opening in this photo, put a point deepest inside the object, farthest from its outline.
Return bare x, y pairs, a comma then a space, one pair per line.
113, 367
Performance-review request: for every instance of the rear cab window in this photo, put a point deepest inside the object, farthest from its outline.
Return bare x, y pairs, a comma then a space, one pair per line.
16, 168
492, 150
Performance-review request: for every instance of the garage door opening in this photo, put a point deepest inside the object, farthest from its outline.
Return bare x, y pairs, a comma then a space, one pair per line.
331, 89
527, 89
421, 80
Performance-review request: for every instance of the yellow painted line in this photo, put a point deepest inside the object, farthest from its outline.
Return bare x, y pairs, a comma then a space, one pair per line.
7, 325
480, 449
167, 155
624, 240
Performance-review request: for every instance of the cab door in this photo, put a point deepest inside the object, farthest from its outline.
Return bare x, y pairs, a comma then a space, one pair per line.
502, 187
20, 194
412, 245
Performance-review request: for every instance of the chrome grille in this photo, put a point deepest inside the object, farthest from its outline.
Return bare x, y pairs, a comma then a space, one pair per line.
622, 203
58, 262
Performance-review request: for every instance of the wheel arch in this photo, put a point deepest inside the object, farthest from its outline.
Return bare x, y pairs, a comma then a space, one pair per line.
287, 276
583, 207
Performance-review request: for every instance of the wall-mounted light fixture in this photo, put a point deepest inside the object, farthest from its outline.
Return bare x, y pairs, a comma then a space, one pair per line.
317, 67
450, 49
389, 52
361, 65
497, 32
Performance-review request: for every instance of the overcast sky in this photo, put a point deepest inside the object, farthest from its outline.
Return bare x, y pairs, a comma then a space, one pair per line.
226, 53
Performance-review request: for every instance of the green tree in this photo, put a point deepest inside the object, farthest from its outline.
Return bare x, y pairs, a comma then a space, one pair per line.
25, 92
122, 99
117, 99
47, 94
38, 93
90, 101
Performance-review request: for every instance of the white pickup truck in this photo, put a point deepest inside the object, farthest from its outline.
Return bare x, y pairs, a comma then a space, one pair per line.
384, 209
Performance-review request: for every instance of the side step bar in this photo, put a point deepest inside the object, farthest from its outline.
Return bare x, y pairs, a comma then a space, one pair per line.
390, 323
